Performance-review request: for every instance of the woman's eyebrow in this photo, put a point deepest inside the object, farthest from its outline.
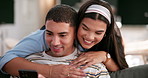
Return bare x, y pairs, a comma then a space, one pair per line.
88, 28
100, 31
85, 25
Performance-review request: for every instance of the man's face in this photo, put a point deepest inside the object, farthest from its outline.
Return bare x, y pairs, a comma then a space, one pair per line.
60, 38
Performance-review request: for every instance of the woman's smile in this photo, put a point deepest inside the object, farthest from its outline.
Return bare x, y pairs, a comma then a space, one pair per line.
87, 42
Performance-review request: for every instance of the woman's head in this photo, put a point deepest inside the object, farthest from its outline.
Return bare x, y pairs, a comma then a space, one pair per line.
110, 39
95, 23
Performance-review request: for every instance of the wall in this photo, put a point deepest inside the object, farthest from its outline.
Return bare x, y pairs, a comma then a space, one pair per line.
133, 12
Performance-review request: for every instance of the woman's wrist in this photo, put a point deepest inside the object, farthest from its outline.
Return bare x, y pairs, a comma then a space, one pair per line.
108, 57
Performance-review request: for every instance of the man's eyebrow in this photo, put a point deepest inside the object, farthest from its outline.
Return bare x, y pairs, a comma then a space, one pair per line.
48, 31
58, 33
63, 33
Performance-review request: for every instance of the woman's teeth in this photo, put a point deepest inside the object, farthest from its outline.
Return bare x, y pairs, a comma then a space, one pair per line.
88, 41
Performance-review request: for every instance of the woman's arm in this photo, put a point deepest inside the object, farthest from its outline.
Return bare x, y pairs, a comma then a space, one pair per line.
93, 57
54, 71
18, 63
111, 65
30, 44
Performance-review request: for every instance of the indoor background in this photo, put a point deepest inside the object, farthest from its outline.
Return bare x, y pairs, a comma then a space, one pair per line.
18, 18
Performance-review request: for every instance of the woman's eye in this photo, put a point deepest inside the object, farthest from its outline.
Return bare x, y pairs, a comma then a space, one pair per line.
98, 33
85, 28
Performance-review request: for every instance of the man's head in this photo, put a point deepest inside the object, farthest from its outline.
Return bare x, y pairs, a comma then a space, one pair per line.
63, 13
60, 30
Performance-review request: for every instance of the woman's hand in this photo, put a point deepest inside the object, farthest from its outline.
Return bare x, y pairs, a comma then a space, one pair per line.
90, 58
41, 76
65, 71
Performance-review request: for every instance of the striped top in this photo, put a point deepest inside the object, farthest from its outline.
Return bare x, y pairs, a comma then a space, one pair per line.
95, 71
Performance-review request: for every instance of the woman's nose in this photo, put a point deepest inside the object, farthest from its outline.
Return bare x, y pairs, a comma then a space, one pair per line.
90, 36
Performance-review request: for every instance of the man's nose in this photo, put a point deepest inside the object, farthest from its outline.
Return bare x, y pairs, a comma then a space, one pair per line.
55, 41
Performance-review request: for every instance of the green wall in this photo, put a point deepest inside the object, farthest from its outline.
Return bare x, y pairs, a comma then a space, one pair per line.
133, 11
6, 11
70, 2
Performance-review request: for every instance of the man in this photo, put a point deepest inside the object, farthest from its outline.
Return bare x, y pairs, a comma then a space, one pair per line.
59, 35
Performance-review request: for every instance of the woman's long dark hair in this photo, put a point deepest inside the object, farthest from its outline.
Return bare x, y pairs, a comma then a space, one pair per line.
112, 41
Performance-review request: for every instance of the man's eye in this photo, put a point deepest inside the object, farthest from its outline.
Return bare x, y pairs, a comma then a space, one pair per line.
62, 35
49, 34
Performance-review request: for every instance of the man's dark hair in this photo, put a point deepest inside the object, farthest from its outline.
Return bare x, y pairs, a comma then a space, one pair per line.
63, 13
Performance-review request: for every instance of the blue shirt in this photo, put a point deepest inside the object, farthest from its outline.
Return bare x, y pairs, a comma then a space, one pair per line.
35, 42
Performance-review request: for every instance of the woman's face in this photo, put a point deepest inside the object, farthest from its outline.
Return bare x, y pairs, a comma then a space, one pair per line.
91, 32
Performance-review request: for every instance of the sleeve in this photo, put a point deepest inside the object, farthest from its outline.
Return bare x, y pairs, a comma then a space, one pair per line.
30, 44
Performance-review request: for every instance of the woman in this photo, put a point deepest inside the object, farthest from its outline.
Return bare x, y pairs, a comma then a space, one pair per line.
109, 41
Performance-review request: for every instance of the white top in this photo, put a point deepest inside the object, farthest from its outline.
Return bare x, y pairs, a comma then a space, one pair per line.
95, 71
